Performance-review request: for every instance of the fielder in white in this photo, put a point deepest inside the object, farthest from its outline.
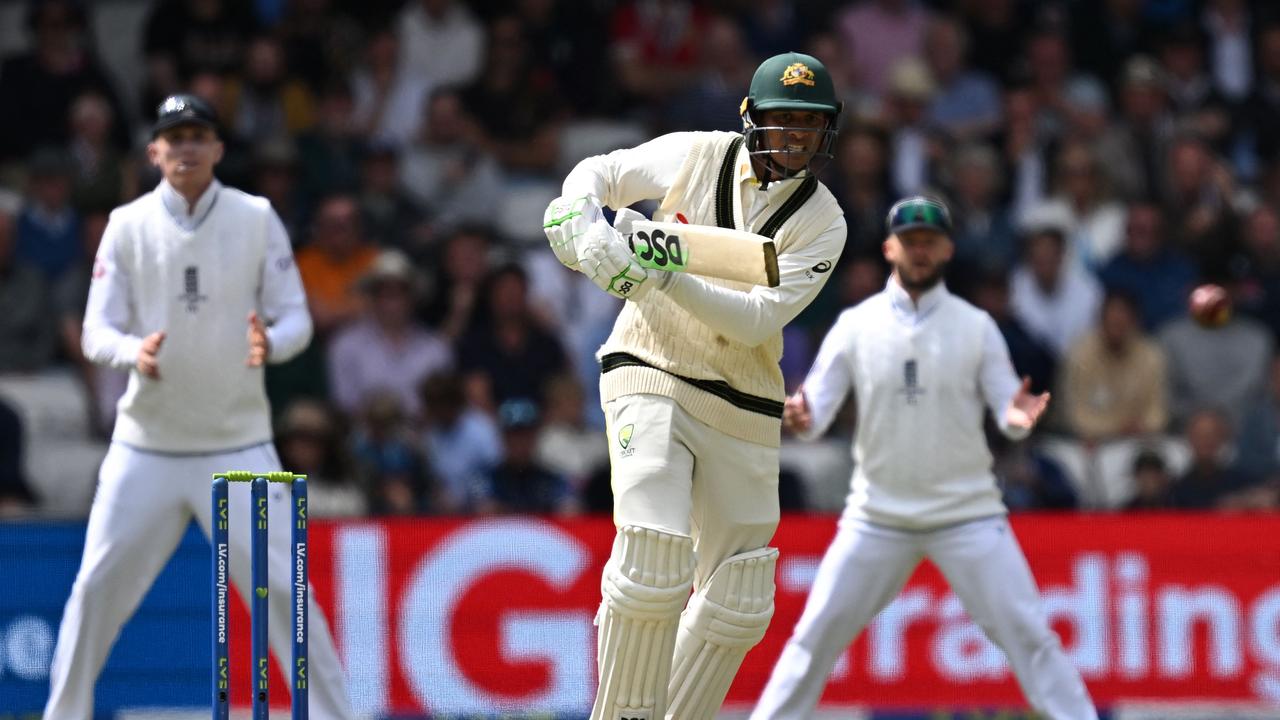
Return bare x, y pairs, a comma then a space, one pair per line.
921, 364
692, 390
194, 289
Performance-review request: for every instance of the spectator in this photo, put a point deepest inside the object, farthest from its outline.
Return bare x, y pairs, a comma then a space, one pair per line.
265, 101
1261, 111
983, 232
462, 443
1029, 480
182, 37
48, 226
1258, 268
882, 33
507, 353
1260, 432
445, 171
1228, 25
514, 107
386, 350
388, 462
275, 177
15, 495
773, 27
1048, 64
39, 87
1106, 32
520, 484
997, 33
1190, 88
329, 155
566, 39
389, 216
1082, 206
104, 176
1210, 478
1197, 202
334, 261
1148, 269
655, 45
1113, 383
913, 143
862, 186
725, 66
1024, 148
319, 39
388, 96
967, 102
26, 329
1054, 298
1137, 144
1152, 483
461, 270
309, 442
1216, 366
1087, 112
429, 30
1031, 357
566, 445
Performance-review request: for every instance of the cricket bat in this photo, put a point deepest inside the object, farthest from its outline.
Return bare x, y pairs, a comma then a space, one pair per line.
705, 250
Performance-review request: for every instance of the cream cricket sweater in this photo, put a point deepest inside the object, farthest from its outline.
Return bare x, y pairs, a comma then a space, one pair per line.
196, 277
712, 345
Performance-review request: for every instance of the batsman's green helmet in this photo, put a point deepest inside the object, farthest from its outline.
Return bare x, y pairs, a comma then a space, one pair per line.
792, 81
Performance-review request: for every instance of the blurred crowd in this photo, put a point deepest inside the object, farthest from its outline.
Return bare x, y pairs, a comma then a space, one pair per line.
1101, 158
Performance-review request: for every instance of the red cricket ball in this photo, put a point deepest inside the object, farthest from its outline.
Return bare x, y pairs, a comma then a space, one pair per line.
1210, 305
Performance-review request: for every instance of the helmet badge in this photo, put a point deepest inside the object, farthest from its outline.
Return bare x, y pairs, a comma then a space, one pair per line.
797, 74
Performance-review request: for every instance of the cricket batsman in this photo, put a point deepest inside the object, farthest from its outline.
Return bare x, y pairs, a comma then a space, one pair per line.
692, 390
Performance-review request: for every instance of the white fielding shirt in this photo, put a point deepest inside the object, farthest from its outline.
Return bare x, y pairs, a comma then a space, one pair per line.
921, 374
194, 275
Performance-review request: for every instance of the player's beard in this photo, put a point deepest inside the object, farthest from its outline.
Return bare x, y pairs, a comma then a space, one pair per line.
924, 283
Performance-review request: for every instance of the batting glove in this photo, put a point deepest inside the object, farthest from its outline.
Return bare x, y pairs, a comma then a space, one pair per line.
565, 223
609, 263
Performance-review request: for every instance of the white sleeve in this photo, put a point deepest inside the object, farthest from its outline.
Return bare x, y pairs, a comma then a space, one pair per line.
284, 302
623, 177
829, 380
752, 317
997, 378
108, 316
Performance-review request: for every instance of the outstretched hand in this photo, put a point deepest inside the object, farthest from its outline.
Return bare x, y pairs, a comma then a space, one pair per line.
795, 413
1025, 409
259, 345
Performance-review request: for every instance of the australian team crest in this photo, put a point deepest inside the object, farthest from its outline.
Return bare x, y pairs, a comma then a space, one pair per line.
797, 74
624, 439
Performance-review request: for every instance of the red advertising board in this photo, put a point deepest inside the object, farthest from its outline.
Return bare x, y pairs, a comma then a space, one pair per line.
456, 617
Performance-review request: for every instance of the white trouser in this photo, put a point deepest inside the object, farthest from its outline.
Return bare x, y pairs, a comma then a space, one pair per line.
864, 569
675, 477
143, 504
681, 475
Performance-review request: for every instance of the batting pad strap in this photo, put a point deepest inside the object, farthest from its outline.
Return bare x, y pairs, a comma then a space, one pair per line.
725, 619
645, 584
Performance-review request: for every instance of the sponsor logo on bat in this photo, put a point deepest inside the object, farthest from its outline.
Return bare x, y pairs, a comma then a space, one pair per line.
657, 249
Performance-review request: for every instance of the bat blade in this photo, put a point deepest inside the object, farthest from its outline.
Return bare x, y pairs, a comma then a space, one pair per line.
707, 251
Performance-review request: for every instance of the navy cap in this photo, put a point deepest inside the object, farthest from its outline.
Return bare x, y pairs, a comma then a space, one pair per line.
919, 213
184, 109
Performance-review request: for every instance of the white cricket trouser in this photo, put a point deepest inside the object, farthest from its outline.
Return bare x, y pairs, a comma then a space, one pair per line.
143, 504
865, 568
676, 473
